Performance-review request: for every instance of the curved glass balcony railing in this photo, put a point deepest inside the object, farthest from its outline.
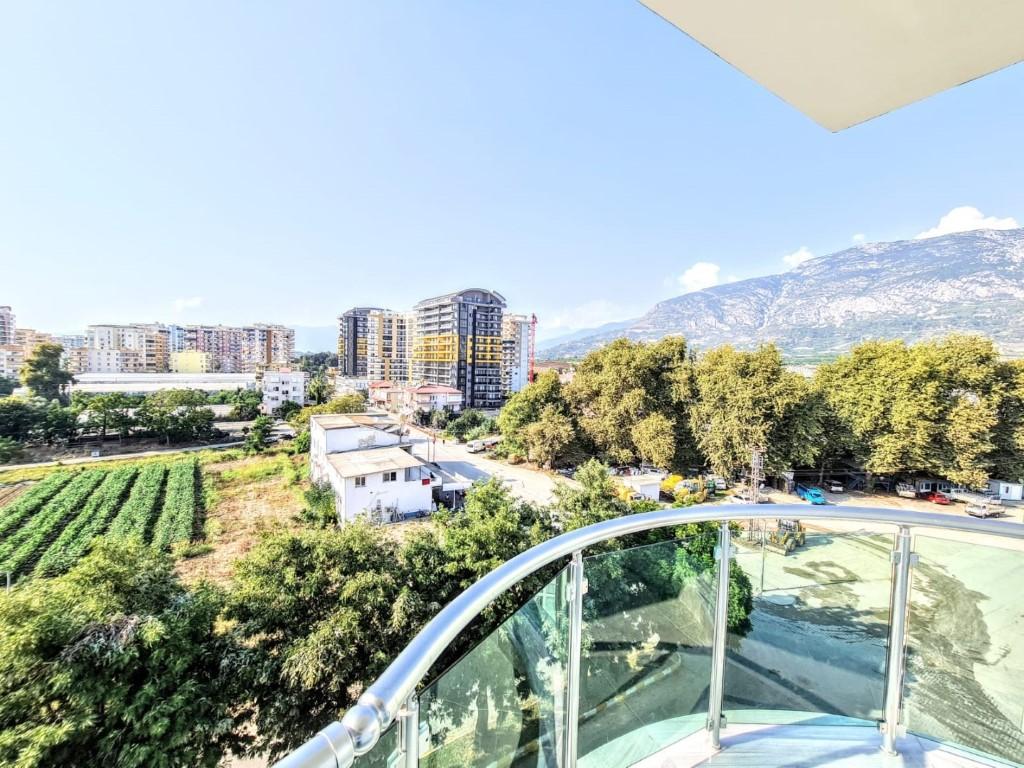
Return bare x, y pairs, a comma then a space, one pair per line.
910, 622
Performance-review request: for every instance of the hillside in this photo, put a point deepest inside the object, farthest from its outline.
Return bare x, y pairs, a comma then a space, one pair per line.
909, 289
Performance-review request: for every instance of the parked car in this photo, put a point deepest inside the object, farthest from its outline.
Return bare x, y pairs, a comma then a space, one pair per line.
811, 494
936, 498
566, 471
906, 490
982, 510
834, 486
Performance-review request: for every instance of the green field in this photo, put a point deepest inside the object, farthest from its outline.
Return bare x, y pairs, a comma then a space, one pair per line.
49, 527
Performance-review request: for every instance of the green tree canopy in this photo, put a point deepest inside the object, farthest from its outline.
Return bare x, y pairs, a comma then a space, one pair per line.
43, 375
116, 663
746, 400
616, 388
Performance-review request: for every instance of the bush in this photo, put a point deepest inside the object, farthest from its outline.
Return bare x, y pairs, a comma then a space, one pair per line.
115, 663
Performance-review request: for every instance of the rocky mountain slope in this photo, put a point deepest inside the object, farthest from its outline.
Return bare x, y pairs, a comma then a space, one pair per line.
909, 289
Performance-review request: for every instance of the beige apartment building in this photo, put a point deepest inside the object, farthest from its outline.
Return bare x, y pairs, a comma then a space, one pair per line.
389, 337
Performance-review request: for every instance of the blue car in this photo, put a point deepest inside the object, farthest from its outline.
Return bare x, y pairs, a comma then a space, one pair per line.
811, 494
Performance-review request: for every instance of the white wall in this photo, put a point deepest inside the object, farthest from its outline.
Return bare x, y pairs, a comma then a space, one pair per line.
1006, 490
411, 496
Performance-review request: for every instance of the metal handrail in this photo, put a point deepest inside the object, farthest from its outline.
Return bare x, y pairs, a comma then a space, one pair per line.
337, 745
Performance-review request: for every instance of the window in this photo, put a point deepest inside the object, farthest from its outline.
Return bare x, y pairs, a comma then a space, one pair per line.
360, 482
390, 477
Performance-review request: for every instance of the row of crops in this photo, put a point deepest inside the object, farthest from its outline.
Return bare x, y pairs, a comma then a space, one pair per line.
45, 530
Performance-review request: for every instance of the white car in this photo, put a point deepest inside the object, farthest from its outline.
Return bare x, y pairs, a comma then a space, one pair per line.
835, 487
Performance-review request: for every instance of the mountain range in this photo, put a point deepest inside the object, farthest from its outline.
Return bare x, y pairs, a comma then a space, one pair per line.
908, 289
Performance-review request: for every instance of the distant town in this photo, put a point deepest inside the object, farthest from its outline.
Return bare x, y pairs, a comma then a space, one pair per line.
459, 350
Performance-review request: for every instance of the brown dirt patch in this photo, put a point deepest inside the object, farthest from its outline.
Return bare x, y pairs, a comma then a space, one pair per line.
250, 496
10, 493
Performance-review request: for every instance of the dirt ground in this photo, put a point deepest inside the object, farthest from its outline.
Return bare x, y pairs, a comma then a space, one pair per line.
9, 494
245, 498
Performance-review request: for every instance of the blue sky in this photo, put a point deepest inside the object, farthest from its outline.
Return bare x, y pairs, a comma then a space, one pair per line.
241, 161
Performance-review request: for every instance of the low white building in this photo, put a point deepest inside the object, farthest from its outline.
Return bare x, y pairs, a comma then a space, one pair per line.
1006, 490
648, 486
281, 386
372, 472
432, 397
144, 383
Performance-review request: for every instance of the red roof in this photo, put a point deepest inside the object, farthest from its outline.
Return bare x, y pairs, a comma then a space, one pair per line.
379, 384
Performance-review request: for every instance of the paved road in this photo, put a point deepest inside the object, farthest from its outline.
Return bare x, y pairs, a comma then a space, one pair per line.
530, 484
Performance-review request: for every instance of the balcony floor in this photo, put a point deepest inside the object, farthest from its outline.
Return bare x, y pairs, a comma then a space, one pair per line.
807, 746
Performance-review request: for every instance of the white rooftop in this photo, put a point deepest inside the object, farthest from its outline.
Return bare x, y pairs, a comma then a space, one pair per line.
368, 462
842, 62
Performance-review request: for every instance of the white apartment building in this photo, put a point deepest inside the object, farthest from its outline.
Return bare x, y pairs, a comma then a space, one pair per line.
11, 359
431, 397
281, 386
372, 472
516, 342
7, 326
103, 360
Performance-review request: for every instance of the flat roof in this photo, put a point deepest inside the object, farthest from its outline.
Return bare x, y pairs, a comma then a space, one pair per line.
847, 61
372, 460
353, 420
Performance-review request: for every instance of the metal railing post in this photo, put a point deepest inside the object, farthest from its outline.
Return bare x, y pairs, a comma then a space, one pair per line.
409, 732
716, 691
577, 588
902, 559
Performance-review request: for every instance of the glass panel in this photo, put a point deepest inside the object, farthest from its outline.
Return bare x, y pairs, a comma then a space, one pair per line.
385, 752
646, 660
965, 646
503, 703
816, 643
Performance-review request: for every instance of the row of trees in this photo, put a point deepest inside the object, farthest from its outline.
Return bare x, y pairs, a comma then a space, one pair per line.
950, 407
118, 660
176, 415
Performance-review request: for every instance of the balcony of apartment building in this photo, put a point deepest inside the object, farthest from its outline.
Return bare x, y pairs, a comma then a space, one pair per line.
876, 637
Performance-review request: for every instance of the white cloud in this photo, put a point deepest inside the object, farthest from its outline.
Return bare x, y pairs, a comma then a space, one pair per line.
965, 218
798, 256
701, 275
859, 237
191, 302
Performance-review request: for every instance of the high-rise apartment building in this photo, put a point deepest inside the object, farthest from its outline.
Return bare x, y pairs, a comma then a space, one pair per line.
516, 346
6, 326
458, 344
242, 349
353, 328
389, 337
145, 346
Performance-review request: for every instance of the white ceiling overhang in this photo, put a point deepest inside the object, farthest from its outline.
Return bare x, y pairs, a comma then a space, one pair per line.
842, 62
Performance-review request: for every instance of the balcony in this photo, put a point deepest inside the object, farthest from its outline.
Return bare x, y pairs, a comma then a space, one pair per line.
876, 638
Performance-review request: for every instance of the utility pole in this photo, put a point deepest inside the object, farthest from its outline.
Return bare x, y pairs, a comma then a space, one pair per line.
756, 472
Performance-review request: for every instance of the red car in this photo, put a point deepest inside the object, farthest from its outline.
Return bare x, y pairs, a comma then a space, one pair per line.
936, 498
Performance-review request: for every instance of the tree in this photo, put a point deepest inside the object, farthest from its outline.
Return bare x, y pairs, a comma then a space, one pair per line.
655, 440
945, 407
19, 418
109, 411
549, 437
620, 385
258, 437
319, 389
746, 400
286, 410
7, 386
525, 407
177, 415
117, 663
9, 450
43, 375
321, 614
246, 405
